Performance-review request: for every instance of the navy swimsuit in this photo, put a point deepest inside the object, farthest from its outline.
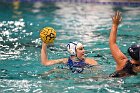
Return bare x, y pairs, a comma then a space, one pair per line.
126, 71
76, 67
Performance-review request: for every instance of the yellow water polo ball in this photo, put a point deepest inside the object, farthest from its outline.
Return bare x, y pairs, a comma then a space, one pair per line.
48, 35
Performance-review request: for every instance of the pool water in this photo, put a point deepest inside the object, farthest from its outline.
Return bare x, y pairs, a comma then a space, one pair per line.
20, 67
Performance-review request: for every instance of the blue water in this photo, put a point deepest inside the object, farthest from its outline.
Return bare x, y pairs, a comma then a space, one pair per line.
20, 67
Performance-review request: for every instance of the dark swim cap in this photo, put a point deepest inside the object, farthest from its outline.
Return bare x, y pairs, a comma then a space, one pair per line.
134, 52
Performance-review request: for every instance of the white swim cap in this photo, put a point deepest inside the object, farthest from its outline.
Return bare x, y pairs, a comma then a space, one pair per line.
72, 46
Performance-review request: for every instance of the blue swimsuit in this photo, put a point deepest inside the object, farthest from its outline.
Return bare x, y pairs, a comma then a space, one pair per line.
76, 67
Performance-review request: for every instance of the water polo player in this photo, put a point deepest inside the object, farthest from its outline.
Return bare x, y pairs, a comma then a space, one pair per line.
76, 61
124, 66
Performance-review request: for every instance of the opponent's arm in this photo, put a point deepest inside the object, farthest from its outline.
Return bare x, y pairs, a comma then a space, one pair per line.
117, 54
44, 57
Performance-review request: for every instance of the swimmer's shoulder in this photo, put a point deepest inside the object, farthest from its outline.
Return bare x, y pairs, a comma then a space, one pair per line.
91, 61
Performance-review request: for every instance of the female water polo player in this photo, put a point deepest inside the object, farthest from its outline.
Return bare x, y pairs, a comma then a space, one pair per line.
124, 66
77, 60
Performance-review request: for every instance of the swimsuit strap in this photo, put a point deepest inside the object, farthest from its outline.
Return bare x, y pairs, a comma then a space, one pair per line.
81, 63
70, 63
76, 67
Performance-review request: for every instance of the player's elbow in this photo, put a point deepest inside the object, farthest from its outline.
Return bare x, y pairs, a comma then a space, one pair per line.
45, 63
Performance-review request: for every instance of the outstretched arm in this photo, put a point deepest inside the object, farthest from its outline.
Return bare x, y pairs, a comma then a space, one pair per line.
44, 57
117, 54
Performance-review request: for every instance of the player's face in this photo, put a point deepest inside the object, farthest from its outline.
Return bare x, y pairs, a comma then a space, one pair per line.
80, 52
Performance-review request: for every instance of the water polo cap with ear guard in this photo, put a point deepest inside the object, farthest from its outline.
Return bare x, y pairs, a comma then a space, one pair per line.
134, 52
72, 46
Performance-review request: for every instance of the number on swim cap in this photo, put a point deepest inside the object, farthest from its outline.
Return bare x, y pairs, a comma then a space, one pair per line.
48, 35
